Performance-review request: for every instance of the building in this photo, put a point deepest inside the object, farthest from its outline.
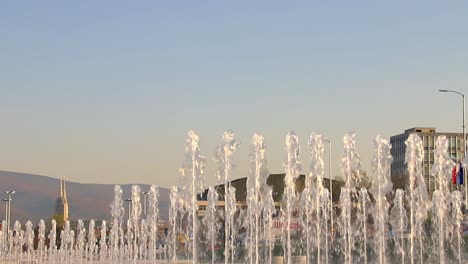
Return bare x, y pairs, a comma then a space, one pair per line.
275, 181
428, 136
61, 206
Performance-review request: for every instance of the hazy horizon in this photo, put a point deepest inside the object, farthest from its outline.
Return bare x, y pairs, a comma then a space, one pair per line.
106, 91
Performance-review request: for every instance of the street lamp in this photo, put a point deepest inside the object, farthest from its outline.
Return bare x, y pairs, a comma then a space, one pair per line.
464, 142
8, 209
6, 213
129, 206
330, 178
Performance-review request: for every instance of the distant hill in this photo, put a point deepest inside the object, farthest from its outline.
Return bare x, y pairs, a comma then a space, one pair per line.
35, 198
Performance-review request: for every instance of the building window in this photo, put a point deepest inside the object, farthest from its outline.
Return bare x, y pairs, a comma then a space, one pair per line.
431, 142
426, 169
453, 156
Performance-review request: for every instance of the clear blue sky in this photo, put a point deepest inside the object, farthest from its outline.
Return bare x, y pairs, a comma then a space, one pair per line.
105, 91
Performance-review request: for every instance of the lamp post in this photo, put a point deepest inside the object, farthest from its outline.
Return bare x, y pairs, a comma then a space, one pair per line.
464, 142
331, 182
8, 209
6, 217
6, 213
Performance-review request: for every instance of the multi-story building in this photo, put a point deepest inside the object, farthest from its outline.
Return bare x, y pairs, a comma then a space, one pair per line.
428, 136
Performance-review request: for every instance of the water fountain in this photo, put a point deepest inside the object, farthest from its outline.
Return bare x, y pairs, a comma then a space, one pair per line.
409, 228
65, 241
256, 184
53, 236
268, 206
231, 204
315, 202
172, 241
362, 217
293, 168
223, 157
350, 169
80, 240
211, 221
399, 222
456, 219
193, 183
103, 242
135, 221
29, 238
442, 167
3, 239
418, 197
17, 239
116, 232
153, 220
381, 187
41, 239
91, 244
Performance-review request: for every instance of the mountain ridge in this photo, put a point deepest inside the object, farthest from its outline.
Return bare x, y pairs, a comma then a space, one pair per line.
35, 197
